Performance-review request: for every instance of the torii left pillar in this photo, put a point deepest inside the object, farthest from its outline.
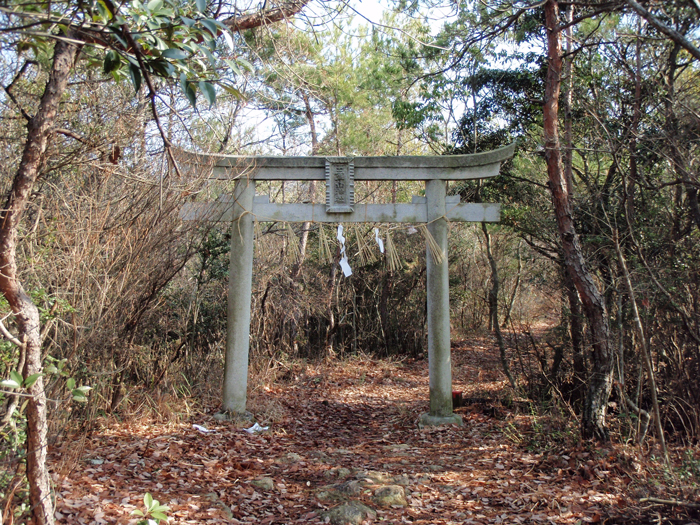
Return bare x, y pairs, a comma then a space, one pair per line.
239, 299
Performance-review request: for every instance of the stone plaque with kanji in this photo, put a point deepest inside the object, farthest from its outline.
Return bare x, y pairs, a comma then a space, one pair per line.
340, 185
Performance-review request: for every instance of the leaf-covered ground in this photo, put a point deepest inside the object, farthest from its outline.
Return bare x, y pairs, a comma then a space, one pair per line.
344, 432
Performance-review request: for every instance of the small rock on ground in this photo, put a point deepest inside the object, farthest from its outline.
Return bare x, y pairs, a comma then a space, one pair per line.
214, 499
390, 495
264, 483
340, 491
373, 476
290, 458
351, 513
401, 479
339, 472
351, 488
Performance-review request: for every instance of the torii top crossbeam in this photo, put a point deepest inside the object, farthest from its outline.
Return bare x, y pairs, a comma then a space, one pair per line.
410, 167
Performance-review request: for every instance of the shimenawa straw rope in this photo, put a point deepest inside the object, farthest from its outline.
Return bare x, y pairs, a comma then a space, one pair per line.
433, 246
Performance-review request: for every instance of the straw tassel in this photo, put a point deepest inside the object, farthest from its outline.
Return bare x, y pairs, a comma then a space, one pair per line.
391, 254
293, 244
324, 248
366, 255
433, 246
257, 230
261, 239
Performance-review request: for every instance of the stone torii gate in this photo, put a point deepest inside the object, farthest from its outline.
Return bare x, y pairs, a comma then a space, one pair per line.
435, 210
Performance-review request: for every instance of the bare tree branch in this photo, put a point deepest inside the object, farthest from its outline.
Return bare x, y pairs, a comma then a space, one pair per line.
9, 87
665, 29
11, 338
280, 12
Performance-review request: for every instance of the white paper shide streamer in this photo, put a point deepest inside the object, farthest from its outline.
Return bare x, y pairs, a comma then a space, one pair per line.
344, 265
379, 241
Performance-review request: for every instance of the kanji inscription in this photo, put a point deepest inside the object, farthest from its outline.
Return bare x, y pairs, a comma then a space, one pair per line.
340, 185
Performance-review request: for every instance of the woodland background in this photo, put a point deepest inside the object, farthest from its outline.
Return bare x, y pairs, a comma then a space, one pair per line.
132, 300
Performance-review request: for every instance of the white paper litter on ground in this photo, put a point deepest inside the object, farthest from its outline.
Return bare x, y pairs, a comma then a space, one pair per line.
256, 428
203, 430
379, 241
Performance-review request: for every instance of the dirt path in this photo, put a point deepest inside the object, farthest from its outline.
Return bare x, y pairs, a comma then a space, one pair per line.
344, 433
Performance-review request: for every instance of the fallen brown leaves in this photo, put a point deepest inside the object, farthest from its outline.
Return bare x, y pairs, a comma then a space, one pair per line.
358, 420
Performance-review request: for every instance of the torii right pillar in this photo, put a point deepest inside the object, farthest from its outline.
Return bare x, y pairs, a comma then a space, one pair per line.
438, 288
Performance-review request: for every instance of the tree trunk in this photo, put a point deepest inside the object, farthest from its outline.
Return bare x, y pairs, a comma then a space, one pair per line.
600, 380
576, 334
39, 129
331, 328
675, 140
516, 288
568, 99
384, 309
642, 415
493, 308
646, 354
634, 132
310, 118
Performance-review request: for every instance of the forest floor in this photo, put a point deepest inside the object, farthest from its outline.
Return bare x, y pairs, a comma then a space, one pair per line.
344, 436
